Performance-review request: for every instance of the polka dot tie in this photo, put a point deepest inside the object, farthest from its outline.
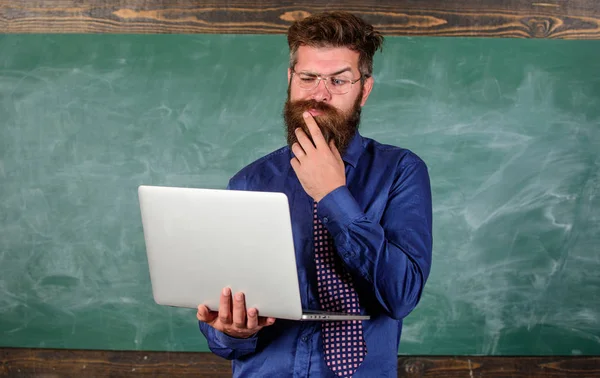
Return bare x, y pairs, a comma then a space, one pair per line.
343, 341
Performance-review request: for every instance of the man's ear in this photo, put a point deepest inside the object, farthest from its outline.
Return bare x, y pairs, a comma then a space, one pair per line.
367, 87
289, 74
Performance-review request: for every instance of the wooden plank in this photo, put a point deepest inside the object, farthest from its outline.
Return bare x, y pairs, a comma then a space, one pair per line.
567, 19
91, 363
78, 363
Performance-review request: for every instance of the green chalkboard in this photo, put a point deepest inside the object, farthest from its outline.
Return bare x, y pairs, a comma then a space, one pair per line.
509, 128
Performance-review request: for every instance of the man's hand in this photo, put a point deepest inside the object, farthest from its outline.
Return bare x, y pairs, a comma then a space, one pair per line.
237, 323
319, 167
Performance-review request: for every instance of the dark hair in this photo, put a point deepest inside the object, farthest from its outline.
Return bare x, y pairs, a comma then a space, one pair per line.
336, 29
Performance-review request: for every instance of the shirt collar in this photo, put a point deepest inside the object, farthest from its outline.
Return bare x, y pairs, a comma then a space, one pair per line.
354, 150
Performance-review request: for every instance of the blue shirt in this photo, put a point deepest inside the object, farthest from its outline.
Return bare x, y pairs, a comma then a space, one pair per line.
381, 225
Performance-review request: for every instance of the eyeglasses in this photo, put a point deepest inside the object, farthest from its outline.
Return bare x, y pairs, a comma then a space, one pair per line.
335, 84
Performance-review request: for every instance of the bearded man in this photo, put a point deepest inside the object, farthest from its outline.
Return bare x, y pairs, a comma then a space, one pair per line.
361, 211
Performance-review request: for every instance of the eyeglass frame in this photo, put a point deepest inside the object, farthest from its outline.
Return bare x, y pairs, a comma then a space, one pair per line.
323, 77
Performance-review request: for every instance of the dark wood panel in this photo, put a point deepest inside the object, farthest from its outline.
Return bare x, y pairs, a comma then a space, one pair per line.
568, 19
77, 363
88, 363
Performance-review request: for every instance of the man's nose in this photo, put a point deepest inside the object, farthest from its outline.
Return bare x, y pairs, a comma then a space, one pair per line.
321, 93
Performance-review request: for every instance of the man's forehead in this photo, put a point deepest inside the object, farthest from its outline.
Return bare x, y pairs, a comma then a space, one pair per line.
330, 59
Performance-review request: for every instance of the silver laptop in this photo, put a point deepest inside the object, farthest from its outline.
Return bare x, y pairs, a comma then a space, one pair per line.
199, 241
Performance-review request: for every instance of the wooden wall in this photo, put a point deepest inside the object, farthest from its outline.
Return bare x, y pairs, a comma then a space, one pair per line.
565, 19
569, 19
79, 363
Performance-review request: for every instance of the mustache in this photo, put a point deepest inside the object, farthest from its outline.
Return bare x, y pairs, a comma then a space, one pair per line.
304, 105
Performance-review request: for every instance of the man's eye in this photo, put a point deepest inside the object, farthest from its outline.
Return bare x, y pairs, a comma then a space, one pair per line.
338, 82
308, 79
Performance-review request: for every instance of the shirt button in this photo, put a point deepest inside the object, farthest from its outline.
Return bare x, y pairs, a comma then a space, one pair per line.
325, 219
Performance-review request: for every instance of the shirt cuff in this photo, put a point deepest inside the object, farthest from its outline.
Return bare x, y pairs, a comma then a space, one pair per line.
234, 342
338, 209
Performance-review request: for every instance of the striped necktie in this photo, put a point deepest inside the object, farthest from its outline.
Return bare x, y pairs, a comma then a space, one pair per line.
343, 341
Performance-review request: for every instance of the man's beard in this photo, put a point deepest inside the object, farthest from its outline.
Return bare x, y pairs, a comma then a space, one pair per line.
334, 124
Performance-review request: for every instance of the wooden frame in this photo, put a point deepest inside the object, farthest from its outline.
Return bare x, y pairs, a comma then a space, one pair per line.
56, 362
568, 19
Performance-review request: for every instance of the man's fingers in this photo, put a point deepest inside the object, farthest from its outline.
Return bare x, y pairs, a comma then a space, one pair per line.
264, 321
295, 164
252, 318
304, 141
334, 149
239, 310
225, 306
315, 131
232, 317
297, 150
205, 315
